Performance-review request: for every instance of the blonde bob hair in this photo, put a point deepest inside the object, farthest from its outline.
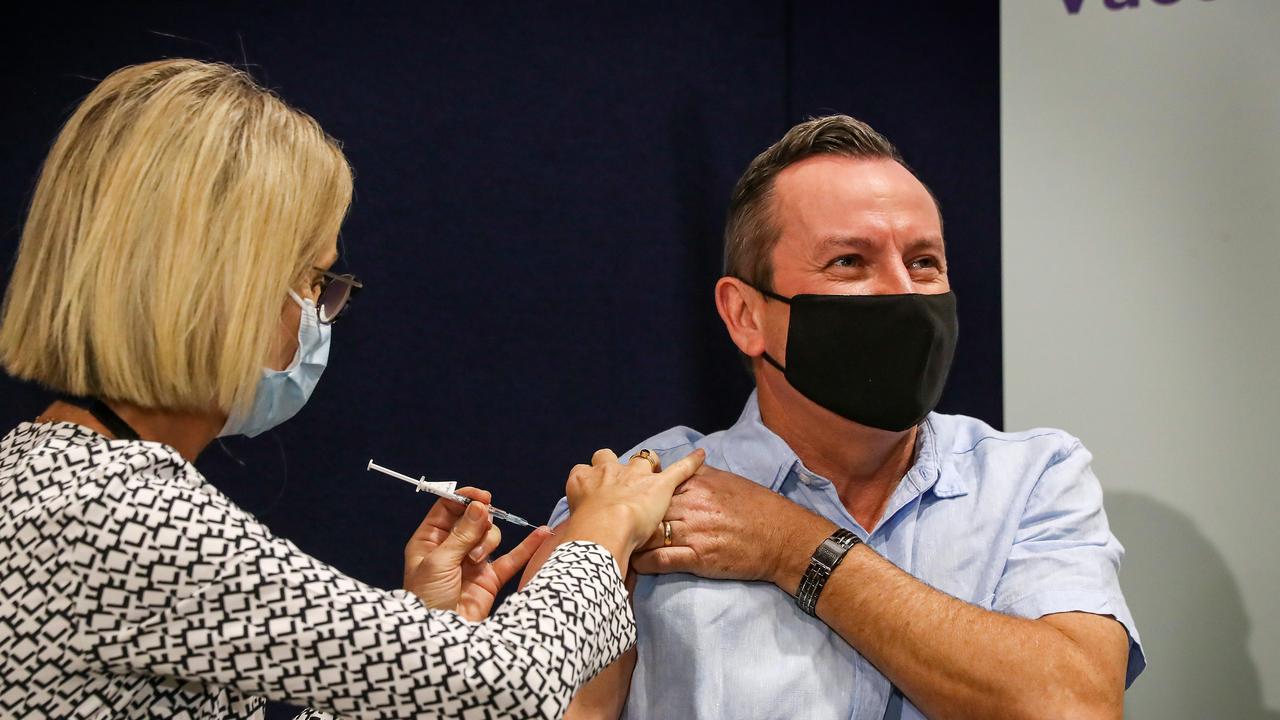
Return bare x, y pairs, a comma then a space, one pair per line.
178, 205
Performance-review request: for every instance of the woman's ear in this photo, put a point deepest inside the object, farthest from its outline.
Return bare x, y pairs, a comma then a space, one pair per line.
741, 307
286, 341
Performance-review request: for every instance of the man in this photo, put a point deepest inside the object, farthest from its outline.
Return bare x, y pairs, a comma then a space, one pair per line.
974, 571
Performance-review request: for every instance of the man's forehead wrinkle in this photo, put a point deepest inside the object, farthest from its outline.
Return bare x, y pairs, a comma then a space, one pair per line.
928, 241
863, 241
851, 241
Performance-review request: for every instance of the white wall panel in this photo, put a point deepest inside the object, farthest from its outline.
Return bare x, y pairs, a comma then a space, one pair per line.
1141, 261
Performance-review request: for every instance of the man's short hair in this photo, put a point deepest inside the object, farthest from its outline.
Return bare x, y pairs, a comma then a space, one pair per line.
179, 204
750, 232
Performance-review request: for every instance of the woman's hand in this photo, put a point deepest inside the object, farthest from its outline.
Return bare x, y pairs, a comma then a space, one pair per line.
726, 527
618, 505
446, 561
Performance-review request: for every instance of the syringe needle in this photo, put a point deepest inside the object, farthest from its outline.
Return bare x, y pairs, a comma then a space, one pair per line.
422, 485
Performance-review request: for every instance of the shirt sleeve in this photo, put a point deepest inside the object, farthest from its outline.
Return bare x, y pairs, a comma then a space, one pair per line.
1064, 557
560, 513
179, 583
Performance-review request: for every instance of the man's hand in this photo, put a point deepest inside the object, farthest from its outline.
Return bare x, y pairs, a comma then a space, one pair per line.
447, 559
726, 527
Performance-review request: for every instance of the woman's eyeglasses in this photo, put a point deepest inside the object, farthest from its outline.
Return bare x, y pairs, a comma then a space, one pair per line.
336, 292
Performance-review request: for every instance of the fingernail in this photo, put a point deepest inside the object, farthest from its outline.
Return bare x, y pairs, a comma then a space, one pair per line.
476, 554
475, 511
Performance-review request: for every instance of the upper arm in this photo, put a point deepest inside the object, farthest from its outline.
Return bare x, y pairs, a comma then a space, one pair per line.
539, 558
1065, 561
210, 595
558, 517
605, 695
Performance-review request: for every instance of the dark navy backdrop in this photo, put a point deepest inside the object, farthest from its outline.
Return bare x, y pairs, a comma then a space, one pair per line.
540, 193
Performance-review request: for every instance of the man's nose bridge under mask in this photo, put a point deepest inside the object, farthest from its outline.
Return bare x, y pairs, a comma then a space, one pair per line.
891, 278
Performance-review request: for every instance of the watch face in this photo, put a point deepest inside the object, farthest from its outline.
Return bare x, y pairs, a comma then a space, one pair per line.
827, 553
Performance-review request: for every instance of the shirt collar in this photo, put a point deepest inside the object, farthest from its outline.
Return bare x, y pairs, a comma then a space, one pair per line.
755, 452
936, 434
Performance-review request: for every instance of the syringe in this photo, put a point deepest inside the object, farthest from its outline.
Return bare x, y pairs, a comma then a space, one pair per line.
423, 485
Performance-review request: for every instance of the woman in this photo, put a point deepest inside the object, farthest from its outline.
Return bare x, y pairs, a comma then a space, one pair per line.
173, 273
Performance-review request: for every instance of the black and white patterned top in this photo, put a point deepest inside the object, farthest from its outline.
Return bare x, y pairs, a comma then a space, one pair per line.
130, 587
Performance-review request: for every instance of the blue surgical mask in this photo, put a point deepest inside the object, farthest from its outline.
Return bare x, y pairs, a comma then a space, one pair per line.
282, 393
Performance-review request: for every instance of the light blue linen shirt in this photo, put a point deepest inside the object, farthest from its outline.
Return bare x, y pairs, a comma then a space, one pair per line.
1010, 522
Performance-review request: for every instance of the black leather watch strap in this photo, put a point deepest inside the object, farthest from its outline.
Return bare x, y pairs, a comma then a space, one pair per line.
823, 562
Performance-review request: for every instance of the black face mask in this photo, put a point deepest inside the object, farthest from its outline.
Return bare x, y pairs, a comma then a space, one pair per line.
878, 360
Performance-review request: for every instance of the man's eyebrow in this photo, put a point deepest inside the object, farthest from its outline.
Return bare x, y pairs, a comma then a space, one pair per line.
847, 241
861, 243
926, 243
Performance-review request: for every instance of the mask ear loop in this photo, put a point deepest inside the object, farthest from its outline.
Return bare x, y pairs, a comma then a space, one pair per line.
769, 359
306, 304
770, 295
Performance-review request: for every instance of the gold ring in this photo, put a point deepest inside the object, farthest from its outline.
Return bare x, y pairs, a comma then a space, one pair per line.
666, 533
654, 461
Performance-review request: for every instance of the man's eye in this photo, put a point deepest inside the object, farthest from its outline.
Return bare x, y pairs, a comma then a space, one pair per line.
925, 263
847, 261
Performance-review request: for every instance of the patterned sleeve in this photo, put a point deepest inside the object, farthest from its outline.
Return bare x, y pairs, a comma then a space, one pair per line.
180, 583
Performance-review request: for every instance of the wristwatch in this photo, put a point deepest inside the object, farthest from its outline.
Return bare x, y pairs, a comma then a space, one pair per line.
823, 562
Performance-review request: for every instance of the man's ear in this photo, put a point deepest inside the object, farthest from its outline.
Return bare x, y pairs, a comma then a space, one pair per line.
741, 307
